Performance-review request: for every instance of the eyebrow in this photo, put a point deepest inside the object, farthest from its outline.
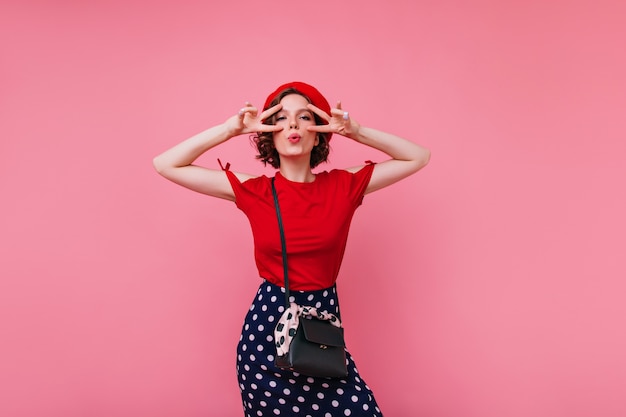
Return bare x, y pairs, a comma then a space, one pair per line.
304, 109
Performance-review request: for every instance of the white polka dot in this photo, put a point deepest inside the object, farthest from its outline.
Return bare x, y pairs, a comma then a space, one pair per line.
282, 401
366, 407
263, 403
306, 388
273, 299
261, 327
340, 391
315, 407
325, 385
259, 348
277, 411
335, 403
301, 399
320, 395
252, 358
270, 319
264, 308
251, 337
272, 384
310, 297
347, 412
318, 305
325, 293
295, 408
259, 376
253, 386
255, 316
286, 391
355, 399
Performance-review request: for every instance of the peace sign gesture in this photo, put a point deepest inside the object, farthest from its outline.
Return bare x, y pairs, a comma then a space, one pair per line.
339, 121
248, 120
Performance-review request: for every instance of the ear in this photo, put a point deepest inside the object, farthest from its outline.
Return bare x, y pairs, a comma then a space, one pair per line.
317, 139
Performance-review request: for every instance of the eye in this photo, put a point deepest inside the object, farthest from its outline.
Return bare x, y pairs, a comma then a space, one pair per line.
305, 117
279, 118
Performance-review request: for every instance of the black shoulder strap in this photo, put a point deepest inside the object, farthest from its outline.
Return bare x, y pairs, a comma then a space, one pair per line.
282, 243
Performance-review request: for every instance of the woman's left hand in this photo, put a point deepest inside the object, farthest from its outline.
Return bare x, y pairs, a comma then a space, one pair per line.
339, 121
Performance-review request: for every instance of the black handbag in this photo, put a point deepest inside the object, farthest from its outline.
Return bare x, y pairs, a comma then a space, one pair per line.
318, 347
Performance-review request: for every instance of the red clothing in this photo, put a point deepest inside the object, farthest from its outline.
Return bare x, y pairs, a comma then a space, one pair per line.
316, 218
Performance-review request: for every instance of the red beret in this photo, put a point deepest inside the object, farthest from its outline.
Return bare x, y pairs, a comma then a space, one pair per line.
316, 98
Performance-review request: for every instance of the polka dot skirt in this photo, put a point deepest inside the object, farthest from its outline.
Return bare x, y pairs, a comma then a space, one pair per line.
270, 391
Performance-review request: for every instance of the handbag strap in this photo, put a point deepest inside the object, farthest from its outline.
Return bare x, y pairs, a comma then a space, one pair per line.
283, 243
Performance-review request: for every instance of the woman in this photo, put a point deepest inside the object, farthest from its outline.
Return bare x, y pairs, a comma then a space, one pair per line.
292, 134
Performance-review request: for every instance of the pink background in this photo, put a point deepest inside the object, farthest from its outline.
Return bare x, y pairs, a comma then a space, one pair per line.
491, 284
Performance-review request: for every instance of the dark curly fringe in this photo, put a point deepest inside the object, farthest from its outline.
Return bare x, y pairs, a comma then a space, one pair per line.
264, 141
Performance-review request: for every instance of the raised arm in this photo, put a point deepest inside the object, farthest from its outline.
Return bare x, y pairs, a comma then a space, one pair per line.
406, 157
176, 164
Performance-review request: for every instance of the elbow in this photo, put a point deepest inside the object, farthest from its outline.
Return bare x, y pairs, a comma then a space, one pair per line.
159, 165
426, 157
422, 159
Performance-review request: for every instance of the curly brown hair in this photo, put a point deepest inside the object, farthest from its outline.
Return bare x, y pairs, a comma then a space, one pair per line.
264, 141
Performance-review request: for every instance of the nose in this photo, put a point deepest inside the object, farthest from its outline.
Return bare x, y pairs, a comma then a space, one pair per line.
293, 123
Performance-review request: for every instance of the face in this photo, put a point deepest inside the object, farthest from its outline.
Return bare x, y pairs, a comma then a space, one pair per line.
295, 141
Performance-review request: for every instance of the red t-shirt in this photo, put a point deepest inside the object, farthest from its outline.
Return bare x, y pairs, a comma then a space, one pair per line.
316, 219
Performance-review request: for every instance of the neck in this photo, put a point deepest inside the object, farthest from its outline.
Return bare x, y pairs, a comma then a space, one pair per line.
296, 171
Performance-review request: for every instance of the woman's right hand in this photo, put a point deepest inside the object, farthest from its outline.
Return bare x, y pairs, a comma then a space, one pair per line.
248, 120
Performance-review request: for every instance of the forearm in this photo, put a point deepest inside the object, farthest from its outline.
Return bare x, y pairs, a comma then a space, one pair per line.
396, 147
186, 152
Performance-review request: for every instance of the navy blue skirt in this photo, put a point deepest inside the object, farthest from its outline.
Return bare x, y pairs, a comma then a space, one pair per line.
269, 391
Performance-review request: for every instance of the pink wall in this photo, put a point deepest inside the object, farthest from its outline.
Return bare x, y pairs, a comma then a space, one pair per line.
501, 264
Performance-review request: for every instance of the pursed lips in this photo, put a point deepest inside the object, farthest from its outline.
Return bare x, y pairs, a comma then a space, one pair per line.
294, 138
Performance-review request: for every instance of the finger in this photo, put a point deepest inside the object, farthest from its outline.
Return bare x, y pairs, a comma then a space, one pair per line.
339, 104
270, 128
321, 113
340, 113
247, 108
320, 128
271, 111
